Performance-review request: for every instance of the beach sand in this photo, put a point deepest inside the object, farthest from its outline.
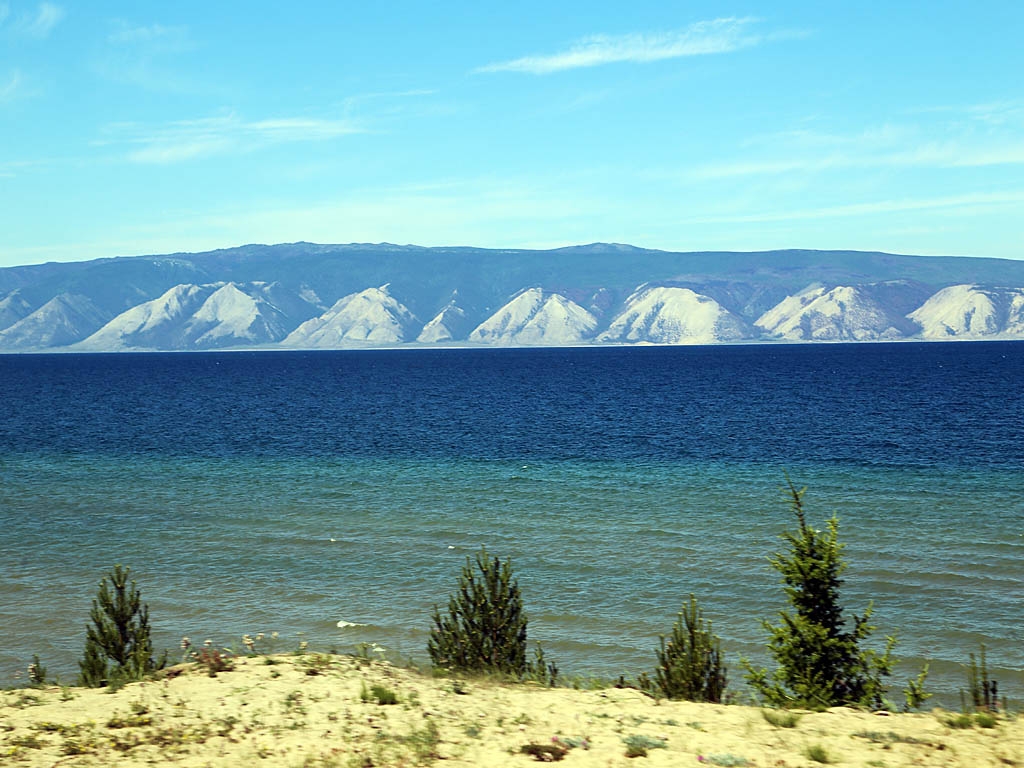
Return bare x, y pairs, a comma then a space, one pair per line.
316, 710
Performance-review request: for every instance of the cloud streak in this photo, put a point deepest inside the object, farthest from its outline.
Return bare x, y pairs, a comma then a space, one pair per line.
37, 25
9, 86
191, 139
889, 147
145, 56
156, 36
698, 39
40, 24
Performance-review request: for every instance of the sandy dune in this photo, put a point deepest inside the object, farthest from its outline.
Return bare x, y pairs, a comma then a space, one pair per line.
323, 711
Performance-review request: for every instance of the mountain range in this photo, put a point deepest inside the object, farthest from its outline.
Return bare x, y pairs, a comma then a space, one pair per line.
309, 296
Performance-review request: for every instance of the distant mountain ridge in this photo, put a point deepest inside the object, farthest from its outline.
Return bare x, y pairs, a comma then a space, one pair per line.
310, 296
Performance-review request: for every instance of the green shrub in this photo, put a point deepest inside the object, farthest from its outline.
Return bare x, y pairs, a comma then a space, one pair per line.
118, 647
914, 695
780, 719
485, 626
30, 741
820, 661
383, 695
637, 744
817, 753
958, 721
985, 720
690, 665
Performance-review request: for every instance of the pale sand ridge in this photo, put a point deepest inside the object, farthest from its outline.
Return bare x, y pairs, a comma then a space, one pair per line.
310, 711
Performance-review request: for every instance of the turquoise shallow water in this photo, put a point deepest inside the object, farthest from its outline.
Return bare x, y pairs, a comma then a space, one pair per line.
293, 526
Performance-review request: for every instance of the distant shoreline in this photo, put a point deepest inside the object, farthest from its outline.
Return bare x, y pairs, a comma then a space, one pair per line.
470, 345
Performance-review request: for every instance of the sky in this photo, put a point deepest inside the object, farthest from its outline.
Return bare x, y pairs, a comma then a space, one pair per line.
141, 127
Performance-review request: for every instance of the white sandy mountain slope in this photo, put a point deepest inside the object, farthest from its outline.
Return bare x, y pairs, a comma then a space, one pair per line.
231, 316
13, 307
535, 317
843, 313
969, 311
372, 315
194, 317
63, 320
153, 324
673, 315
449, 324
1015, 318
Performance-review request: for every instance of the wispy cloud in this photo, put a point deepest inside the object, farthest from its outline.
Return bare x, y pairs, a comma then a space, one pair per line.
9, 86
936, 146
35, 24
145, 56
957, 155
701, 38
996, 113
190, 139
41, 23
159, 35
14, 168
731, 170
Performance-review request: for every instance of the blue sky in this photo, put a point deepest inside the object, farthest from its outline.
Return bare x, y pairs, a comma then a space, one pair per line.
142, 127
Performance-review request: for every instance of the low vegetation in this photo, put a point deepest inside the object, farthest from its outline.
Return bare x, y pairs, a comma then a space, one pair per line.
638, 745
781, 718
690, 662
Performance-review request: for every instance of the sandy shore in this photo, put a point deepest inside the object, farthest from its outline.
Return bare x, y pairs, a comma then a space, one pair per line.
324, 711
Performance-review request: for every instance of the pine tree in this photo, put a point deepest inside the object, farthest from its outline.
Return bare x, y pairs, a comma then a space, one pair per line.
820, 661
690, 664
118, 647
485, 627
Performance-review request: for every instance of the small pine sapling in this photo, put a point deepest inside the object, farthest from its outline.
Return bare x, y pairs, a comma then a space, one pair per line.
984, 692
820, 662
36, 673
485, 626
540, 670
690, 663
118, 646
914, 694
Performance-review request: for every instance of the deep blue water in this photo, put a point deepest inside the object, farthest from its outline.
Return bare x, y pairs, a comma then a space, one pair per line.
289, 490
